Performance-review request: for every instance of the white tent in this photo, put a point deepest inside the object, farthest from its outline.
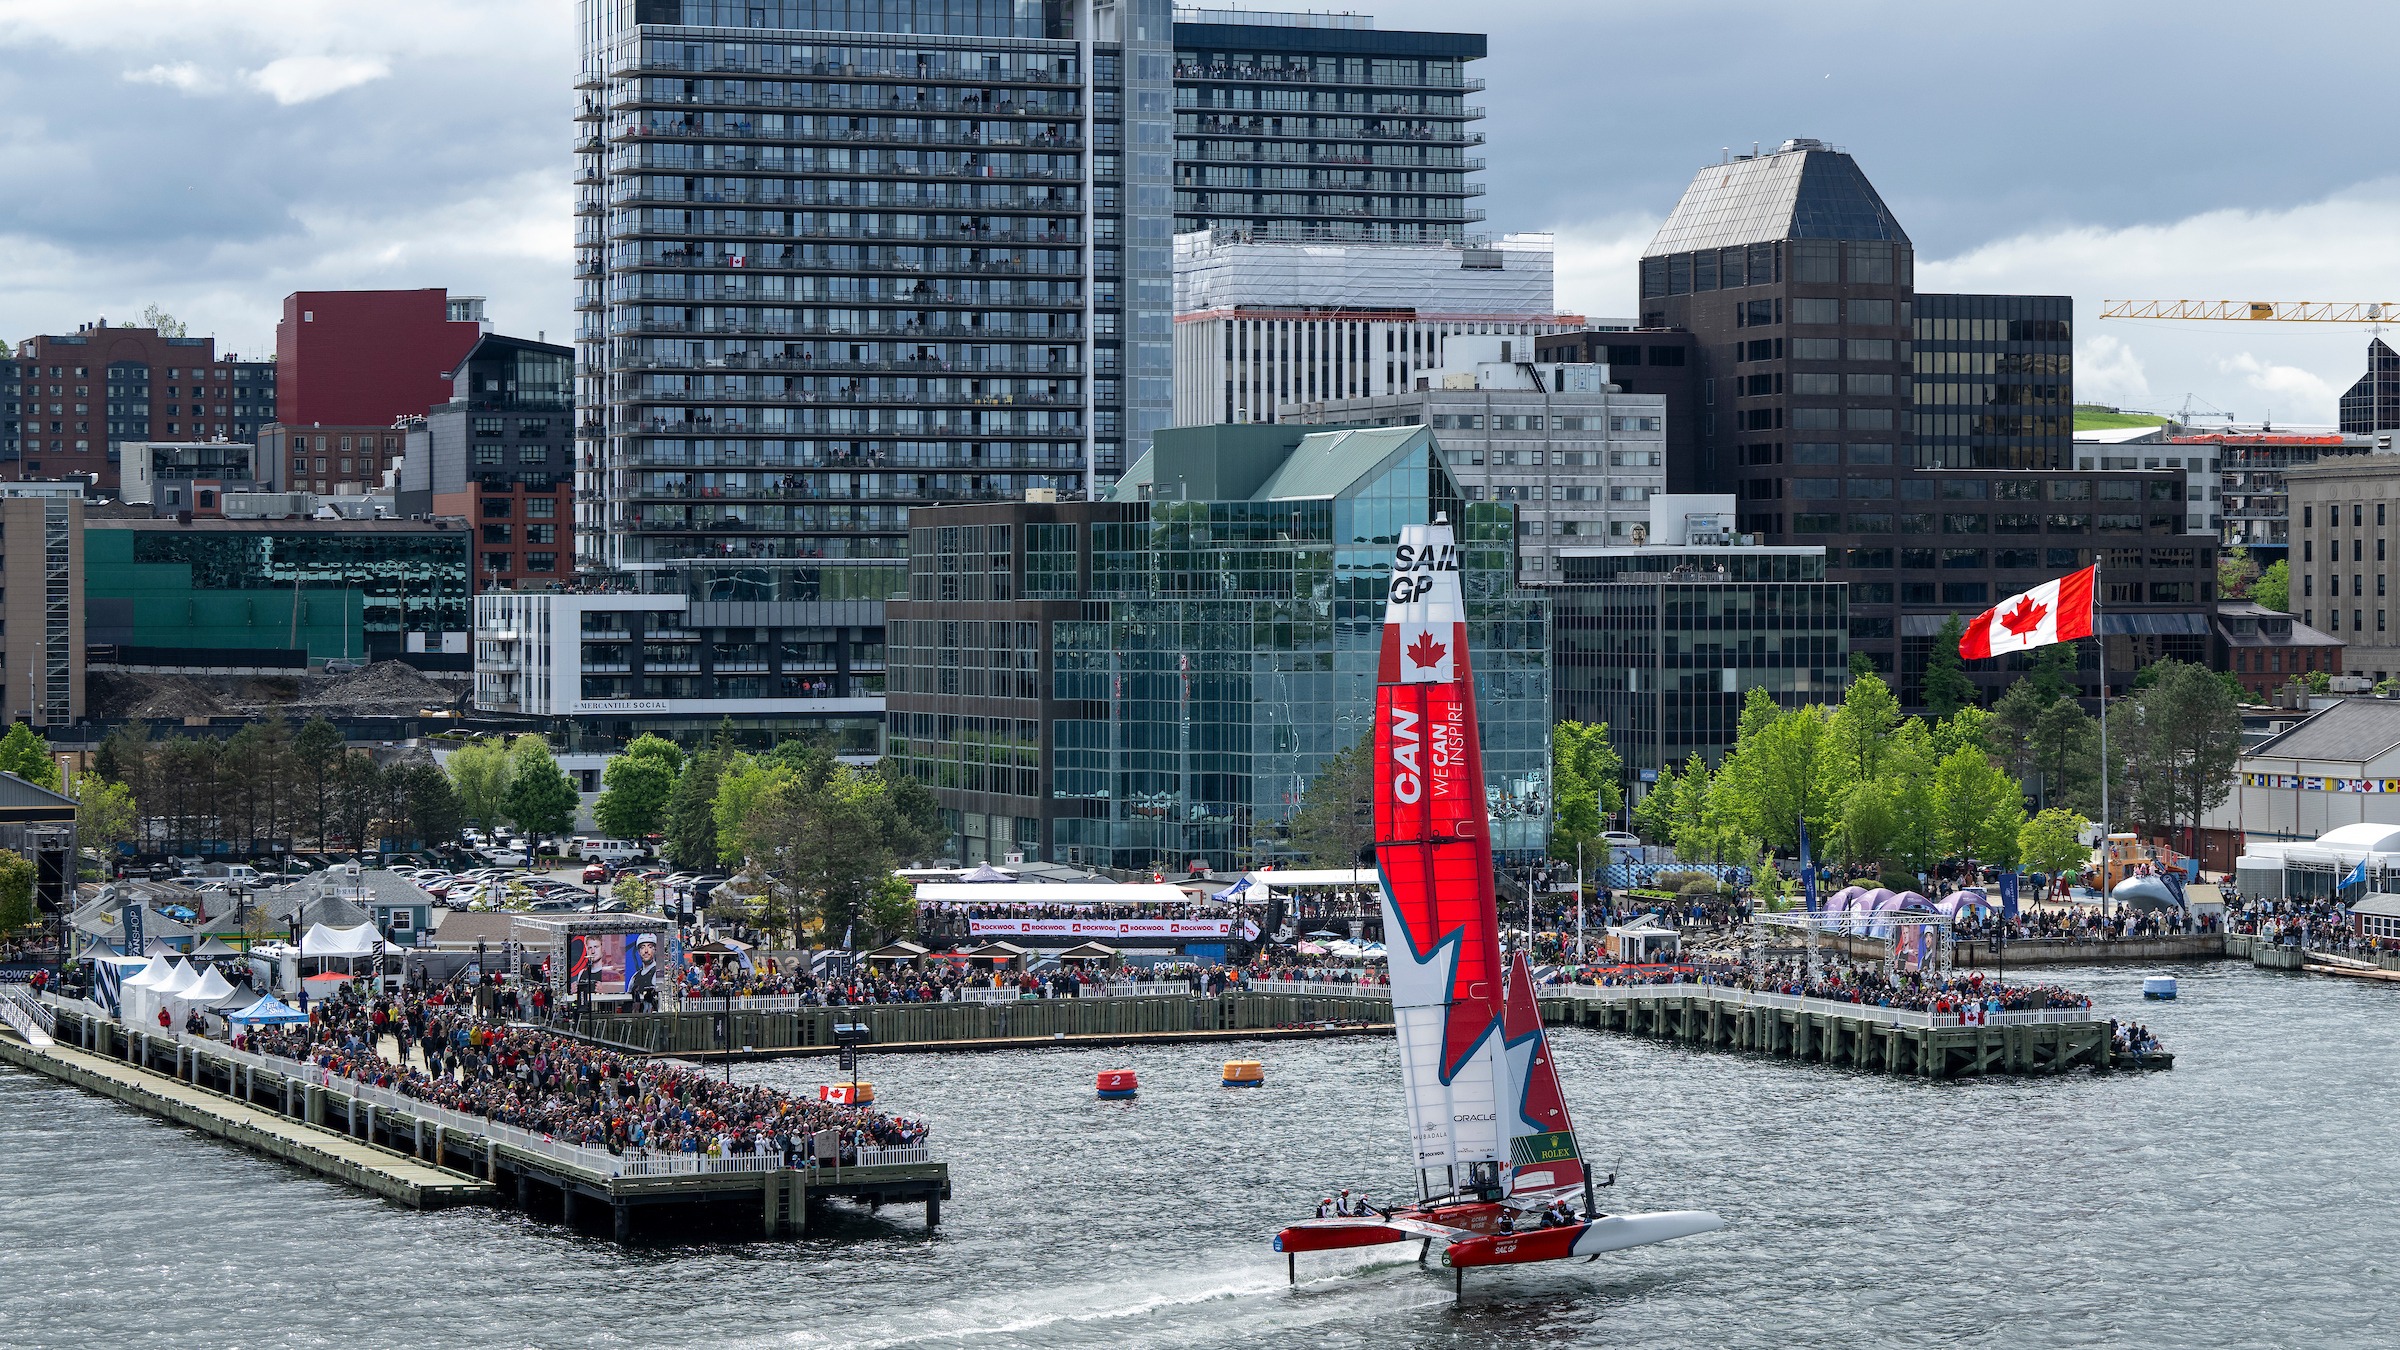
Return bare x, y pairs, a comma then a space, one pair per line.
135, 999
340, 942
179, 978
208, 991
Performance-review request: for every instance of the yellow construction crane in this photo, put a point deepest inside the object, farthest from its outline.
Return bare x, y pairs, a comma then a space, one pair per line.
2276, 311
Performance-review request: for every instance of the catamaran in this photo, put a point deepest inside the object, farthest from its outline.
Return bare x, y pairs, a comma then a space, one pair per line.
1493, 1140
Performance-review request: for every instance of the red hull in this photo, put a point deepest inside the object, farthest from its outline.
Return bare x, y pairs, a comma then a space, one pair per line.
1509, 1249
1330, 1235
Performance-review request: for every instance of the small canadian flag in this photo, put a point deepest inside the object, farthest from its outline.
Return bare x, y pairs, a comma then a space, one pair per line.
2055, 611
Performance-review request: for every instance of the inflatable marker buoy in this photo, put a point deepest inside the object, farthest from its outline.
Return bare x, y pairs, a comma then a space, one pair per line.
1245, 1073
846, 1094
2158, 986
1118, 1083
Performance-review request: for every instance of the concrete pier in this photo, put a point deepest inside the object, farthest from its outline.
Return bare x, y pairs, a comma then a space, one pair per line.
425, 1156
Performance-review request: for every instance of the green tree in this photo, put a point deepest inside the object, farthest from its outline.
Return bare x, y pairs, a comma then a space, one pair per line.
1334, 825
826, 847
2236, 570
741, 786
16, 893
429, 803
1654, 814
1859, 730
2190, 739
479, 775
1947, 688
1775, 776
2051, 843
318, 753
691, 813
541, 799
364, 794
892, 908
166, 324
2317, 682
913, 815
105, 814
24, 753
1587, 786
2274, 586
636, 788
2057, 670
1862, 663
1977, 808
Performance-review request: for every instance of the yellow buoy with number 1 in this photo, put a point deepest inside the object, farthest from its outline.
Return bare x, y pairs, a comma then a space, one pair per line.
1245, 1073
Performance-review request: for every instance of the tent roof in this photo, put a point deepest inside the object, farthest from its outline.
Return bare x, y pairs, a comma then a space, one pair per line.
211, 987
1089, 949
898, 951
179, 978
216, 946
323, 941
985, 874
1052, 893
269, 1009
997, 949
1321, 876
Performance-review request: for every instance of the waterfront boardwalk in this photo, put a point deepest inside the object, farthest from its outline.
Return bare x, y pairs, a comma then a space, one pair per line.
419, 1154
1888, 1040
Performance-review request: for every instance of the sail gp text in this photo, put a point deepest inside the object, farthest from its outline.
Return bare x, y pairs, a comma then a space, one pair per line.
1413, 568
1414, 759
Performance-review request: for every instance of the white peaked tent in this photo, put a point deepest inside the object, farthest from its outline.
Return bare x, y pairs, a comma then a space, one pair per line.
321, 940
134, 999
208, 991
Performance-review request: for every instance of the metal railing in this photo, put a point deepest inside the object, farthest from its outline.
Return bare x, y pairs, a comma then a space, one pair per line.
30, 1004
1867, 1012
1332, 988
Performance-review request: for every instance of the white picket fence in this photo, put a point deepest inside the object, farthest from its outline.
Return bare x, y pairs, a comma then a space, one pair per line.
1320, 988
1865, 1012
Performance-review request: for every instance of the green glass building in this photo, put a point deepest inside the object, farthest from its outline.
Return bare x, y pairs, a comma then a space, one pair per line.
266, 593
1155, 680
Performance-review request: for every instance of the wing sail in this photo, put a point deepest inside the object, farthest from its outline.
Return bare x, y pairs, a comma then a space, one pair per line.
1433, 848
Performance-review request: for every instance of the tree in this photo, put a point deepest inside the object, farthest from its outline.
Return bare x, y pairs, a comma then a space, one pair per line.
105, 814
24, 753
2236, 570
632, 891
827, 847
1586, 786
1775, 776
692, 812
318, 752
2057, 670
16, 893
2317, 681
2052, 842
1859, 730
430, 803
1334, 825
540, 798
741, 786
1654, 814
636, 787
892, 908
362, 795
1862, 663
2190, 739
2274, 586
479, 774
166, 324
1976, 807
1947, 688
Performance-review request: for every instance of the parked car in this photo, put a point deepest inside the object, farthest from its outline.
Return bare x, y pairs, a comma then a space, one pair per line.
595, 873
502, 857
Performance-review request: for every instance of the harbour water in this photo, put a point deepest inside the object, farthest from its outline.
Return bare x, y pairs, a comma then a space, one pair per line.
2246, 1198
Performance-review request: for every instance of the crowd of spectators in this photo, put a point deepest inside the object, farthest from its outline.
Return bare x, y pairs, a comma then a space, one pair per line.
451, 1054
1841, 982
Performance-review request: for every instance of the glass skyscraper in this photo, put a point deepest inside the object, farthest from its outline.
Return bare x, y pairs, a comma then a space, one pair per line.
841, 258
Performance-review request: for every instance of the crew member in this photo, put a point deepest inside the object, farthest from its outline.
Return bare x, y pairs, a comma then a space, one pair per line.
1359, 1208
1325, 1208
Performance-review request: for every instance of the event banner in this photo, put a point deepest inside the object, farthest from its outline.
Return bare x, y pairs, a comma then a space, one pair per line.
1102, 928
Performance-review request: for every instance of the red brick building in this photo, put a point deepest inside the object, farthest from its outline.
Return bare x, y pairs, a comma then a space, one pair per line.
355, 362
2265, 648
83, 395
328, 459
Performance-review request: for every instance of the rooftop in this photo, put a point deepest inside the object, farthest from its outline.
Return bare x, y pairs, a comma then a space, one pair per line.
2355, 730
1804, 189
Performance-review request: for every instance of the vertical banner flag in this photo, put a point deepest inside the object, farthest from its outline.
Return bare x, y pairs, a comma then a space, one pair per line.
133, 930
1808, 869
2055, 611
2008, 895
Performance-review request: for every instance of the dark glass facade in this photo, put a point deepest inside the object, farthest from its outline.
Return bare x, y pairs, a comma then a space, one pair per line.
2373, 403
501, 455
1142, 683
1665, 645
1919, 438
1324, 128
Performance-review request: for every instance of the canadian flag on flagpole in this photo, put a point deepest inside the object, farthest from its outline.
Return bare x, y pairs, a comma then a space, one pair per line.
2055, 611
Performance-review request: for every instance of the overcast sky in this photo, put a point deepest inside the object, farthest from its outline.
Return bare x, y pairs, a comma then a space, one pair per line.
211, 156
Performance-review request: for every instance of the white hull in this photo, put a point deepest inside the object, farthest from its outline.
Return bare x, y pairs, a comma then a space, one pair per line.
1619, 1231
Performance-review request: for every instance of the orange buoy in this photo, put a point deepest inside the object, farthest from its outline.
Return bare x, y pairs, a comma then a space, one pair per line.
846, 1094
1245, 1073
1118, 1083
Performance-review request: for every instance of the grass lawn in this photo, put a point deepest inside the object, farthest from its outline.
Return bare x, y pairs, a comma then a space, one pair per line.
2089, 418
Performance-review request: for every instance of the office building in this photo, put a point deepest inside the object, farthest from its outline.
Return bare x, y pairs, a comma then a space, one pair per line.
500, 455
363, 358
841, 262
2373, 403
1655, 361
2203, 479
1578, 460
2344, 570
1663, 639
11, 411
1924, 440
326, 460
1320, 126
41, 602
1155, 679
218, 592
1263, 326
2266, 648
603, 669
87, 393
163, 474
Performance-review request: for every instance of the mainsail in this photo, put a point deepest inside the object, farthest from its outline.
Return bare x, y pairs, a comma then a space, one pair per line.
1433, 846
1542, 1153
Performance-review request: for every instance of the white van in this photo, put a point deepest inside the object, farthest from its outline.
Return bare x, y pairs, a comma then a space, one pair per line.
607, 850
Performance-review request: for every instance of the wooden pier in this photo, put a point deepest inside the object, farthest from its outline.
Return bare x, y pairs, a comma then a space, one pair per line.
1856, 1036
426, 1156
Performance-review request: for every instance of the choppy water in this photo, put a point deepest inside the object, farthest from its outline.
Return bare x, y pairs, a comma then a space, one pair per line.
2244, 1199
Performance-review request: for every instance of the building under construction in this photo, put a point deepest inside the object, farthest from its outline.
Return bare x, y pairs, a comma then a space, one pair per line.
2251, 464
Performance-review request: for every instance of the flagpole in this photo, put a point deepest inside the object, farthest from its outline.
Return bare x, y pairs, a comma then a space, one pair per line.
2100, 639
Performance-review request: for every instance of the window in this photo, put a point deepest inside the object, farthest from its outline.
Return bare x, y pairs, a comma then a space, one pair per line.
541, 562
497, 508
1873, 489
1813, 452
1816, 419
1816, 349
1817, 311
496, 534
1871, 386
1870, 522
1870, 452
1825, 384
2073, 490
1871, 313
542, 508
1816, 262
533, 454
2308, 515
484, 454
484, 426
541, 534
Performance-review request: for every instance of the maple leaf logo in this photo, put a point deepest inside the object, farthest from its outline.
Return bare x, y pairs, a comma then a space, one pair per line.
2026, 617
1426, 652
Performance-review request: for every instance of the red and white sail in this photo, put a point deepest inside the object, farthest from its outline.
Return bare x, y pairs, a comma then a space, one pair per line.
1542, 1152
1433, 847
